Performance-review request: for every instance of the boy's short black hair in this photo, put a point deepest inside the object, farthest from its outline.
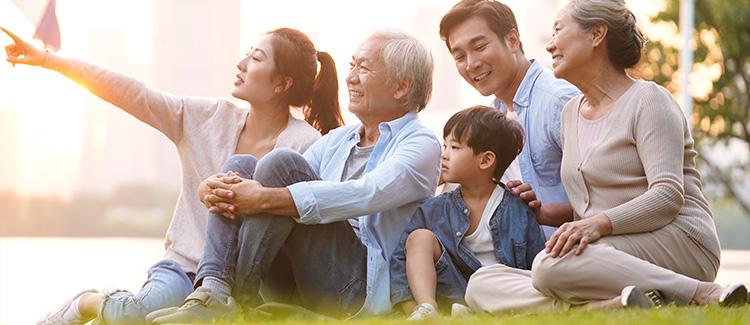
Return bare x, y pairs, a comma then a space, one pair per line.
485, 128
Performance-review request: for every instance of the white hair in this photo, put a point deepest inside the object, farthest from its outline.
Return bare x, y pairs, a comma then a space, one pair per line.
405, 57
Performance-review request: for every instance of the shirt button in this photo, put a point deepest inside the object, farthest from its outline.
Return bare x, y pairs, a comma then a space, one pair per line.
458, 234
466, 211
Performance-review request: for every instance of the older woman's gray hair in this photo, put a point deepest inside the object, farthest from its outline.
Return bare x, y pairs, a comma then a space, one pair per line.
405, 56
624, 39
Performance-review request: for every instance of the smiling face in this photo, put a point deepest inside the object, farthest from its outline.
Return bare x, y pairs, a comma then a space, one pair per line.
257, 80
370, 97
571, 46
485, 61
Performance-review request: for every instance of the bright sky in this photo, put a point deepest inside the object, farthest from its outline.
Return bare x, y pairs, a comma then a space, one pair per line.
49, 110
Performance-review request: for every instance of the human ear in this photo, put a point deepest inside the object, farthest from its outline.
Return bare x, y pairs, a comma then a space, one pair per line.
598, 34
487, 160
284, 84
513, 40
403, 88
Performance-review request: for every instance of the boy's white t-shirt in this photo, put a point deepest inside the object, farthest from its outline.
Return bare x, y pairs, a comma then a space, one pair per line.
514, 170
480, 242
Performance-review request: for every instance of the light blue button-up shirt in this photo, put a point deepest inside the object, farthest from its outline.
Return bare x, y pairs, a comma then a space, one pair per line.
401, 173
538, 102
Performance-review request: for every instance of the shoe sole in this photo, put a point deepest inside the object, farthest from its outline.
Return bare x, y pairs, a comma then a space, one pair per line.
66, 305
657, 298
734, 295
633, 297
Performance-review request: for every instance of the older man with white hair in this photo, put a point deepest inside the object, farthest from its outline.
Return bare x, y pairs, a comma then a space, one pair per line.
331, 218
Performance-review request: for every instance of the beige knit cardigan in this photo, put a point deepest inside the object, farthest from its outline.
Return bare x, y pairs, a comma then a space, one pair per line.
641, 173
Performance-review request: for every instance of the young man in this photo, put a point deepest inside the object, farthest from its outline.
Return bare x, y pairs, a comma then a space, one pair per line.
480, 223
483, 38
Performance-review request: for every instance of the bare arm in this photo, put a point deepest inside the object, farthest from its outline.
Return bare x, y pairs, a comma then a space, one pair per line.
163, 111
555, 214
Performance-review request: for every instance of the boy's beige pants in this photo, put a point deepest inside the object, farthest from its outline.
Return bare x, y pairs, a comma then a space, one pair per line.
665, 259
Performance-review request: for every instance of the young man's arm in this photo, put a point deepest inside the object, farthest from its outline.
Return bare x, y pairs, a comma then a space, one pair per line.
550, 214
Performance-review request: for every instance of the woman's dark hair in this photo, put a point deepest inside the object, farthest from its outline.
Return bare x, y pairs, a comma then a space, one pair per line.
624, 39
499, 18
484, 128
316, 92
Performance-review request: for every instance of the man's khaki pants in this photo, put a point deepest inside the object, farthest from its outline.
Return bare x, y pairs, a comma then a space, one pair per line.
665, 259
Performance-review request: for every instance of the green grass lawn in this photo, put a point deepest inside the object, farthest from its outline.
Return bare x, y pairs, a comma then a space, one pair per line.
667, 315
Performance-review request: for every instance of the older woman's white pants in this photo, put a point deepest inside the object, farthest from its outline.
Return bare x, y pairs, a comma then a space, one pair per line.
665, 259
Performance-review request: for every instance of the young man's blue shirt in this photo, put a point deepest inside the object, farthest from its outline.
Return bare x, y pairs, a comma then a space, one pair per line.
539, 100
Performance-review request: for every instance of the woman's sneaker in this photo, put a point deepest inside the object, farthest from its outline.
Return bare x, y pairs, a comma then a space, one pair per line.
633, 297
734, 295
423, 311
657, 298
68, 313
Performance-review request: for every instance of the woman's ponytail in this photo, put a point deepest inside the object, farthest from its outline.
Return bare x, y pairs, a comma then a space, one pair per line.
324, 112
316, 92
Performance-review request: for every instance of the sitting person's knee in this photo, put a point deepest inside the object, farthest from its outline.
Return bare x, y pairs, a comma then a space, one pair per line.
478, 289
419, 237
242, 164
546, 273
282, 155
424, 240
272, 167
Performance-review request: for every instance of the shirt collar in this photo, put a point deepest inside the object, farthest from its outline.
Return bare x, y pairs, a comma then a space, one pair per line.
521, 99
390, 127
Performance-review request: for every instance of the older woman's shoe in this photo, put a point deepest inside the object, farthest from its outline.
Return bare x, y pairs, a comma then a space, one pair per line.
734, 295
633, 297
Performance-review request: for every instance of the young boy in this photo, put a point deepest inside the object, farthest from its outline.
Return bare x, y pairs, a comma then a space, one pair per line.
452, 235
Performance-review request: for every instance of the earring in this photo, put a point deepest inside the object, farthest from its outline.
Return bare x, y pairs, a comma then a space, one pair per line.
278, 90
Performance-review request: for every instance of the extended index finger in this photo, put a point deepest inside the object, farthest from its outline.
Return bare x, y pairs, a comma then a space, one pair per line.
12, 36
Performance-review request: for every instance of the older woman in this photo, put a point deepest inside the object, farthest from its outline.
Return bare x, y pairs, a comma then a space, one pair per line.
639, 219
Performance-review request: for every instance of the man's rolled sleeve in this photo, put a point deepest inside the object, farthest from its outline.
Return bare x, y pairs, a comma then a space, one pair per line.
307, 205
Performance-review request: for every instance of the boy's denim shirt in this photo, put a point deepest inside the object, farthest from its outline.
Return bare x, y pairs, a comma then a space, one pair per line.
516, 236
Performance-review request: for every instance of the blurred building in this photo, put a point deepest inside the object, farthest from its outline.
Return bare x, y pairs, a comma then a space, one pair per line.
193, 53
8, 144
118, 148
196, 51
447, 84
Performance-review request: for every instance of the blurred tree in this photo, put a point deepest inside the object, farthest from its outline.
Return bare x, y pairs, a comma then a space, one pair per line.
720, 85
